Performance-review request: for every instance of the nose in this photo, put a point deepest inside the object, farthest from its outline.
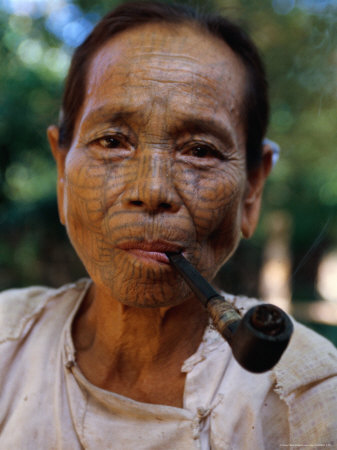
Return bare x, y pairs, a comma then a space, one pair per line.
153, 189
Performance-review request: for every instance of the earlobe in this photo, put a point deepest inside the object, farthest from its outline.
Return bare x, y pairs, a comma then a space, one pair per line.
252, 200
59, 156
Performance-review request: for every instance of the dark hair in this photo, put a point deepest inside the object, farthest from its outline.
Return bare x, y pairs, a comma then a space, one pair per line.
255, 108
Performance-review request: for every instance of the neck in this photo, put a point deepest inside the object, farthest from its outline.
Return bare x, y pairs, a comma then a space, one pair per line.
127, 345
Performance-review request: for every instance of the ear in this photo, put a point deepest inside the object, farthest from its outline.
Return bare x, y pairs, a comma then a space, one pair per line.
256, 178
59, 156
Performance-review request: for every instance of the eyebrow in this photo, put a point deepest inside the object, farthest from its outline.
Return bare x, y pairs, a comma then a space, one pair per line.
214, 127
99, 114
193, 125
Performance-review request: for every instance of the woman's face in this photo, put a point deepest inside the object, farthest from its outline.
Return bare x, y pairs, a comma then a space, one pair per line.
157, 162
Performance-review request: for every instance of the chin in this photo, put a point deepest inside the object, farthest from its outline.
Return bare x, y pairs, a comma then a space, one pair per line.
150, 303
151, 296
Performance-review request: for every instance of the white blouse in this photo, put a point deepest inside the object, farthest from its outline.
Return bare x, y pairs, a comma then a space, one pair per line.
47, 403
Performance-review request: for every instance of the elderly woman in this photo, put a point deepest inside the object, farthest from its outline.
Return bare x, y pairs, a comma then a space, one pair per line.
159, 149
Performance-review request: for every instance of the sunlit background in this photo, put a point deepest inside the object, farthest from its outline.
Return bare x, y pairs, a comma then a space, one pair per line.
292, 259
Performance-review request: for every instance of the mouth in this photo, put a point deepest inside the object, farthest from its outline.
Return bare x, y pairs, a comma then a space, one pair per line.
151, 250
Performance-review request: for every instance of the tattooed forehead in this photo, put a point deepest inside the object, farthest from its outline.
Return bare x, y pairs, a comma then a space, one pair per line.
170, 60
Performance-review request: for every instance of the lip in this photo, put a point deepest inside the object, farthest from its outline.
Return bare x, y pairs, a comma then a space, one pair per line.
151, 250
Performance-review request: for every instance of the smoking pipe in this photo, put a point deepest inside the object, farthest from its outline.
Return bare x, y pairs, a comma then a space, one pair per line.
258, 339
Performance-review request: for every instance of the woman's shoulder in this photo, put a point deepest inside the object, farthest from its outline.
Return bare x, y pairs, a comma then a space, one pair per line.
305, 380
21, 308
308, 359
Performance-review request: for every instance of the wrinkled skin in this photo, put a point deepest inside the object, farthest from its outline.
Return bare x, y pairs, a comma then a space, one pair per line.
158, 154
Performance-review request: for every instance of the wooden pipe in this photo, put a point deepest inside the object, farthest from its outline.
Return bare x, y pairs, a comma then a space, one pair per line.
258, 339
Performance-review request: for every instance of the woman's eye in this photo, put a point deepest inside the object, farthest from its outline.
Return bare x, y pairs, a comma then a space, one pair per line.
204, 151
110, 142
201, 151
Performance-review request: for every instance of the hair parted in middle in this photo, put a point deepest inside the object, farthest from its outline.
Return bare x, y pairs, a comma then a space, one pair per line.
255, 107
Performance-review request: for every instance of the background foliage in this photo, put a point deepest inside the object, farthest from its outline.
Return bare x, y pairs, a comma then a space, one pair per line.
298, 43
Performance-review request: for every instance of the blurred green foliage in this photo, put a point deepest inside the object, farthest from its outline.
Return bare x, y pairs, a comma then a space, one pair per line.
298, 43
300, 50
